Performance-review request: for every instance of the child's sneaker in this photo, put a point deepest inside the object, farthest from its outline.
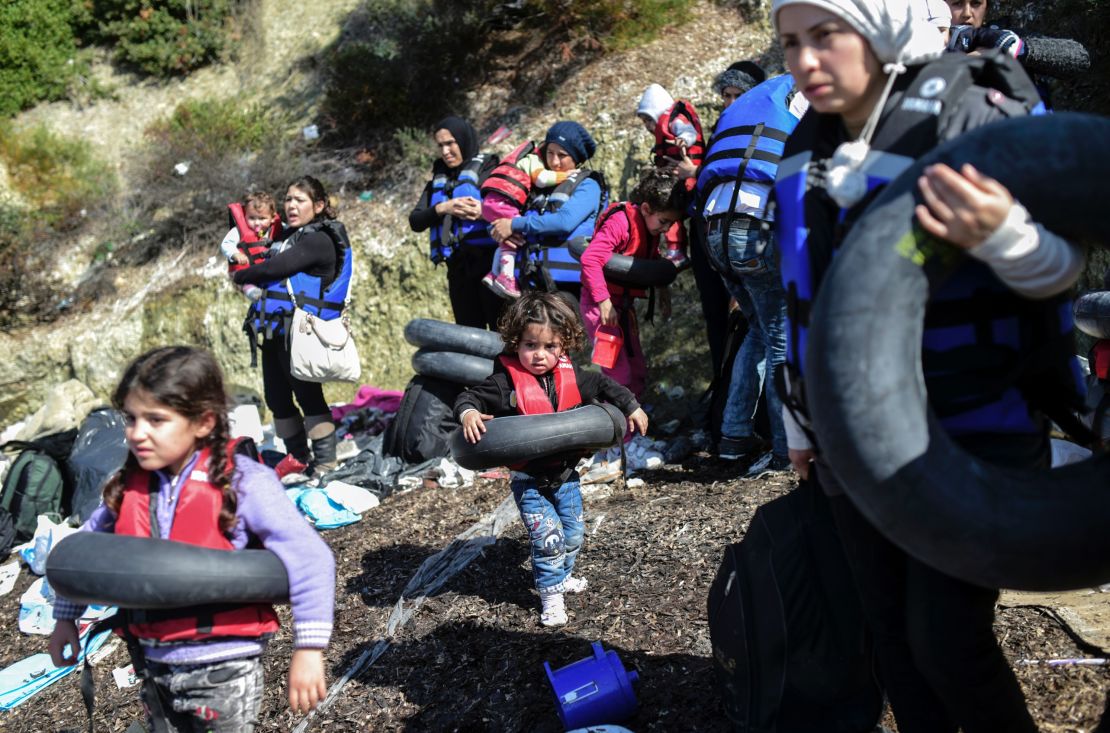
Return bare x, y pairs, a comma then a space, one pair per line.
574, 585
502, 285
554, 610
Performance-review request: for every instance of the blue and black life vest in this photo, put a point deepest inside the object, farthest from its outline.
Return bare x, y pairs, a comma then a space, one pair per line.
747, 145
322, 298
982, 341
451, 232
750, 137
549, 261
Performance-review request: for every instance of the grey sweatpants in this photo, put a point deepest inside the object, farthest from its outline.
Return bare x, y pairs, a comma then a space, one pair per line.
224, 697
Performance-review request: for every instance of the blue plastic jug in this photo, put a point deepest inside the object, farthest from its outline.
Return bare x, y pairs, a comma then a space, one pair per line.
594, 690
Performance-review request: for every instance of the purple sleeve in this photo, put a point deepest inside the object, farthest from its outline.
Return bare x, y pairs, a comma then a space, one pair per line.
269, 515
101, 520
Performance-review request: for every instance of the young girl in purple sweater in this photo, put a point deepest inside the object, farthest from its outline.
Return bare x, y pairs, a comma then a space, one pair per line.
180, 484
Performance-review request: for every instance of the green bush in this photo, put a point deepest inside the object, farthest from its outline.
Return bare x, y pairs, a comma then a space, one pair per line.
226, 149
36, 48
59, 178
163, 38
406, 63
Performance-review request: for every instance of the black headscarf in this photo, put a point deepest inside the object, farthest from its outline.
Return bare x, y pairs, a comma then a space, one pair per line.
464, 135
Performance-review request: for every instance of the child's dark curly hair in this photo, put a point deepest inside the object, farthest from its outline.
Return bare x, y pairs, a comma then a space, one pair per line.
547, 309
661, 191
188, 381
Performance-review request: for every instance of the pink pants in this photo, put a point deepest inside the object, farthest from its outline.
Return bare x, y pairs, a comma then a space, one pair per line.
629, 371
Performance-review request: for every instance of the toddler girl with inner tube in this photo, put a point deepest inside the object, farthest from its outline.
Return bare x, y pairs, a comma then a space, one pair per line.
630, 228
201, 668
536, 377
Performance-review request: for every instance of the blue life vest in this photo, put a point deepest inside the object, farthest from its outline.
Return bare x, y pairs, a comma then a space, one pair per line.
736, 150
268, 316
548, 256
980, 337
451, 232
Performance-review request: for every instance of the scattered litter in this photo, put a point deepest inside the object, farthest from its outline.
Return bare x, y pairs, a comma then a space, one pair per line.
246, 423
494, 474
47, 534
182, 168
1065, 452
125, 676
105, 651
311, 132
635, 482
8, 575
1078, 661
23, 679
433, 573
321, 510
354, 498
366, 196
450, 475
597, 523
36, 608
346, 449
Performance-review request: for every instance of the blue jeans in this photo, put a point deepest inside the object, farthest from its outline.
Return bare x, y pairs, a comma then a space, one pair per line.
553, 518
752, 277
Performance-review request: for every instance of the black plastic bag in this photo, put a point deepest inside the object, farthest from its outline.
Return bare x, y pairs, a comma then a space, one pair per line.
98, 453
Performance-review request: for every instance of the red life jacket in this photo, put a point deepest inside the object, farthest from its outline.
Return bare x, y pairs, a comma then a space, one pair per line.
510, 181
195, 522
639, 243
531, 398
665, 145
249, 241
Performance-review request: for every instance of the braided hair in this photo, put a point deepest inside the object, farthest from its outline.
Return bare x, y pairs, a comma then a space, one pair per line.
189, 382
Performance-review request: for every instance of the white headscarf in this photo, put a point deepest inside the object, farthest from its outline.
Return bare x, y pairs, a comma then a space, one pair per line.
900, 37
655, 101
895, 31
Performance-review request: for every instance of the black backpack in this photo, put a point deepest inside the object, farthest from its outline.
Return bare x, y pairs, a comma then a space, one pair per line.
38, 481
790, 648
424, 422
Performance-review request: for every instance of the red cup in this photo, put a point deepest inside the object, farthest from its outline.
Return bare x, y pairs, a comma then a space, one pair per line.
608, 342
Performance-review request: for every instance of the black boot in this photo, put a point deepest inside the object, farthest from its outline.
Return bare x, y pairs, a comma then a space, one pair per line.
323, 453
297, 446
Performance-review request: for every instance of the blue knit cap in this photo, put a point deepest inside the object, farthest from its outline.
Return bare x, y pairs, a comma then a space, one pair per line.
573, 138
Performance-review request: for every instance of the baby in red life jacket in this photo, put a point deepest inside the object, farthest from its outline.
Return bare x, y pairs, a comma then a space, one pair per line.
505, 195
535, 376
679, 148
255, 225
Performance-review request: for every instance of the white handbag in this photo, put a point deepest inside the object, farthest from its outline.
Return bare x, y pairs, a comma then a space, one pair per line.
319, 350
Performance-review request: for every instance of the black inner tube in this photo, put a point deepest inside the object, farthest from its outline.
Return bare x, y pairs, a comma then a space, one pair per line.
1034, 530
633, 272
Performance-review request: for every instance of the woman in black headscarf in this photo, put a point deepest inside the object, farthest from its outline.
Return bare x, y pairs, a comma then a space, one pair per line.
451, 210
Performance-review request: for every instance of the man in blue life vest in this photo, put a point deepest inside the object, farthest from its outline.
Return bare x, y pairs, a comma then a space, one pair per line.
734, 186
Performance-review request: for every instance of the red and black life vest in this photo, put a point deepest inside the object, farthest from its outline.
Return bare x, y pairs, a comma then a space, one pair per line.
531, 398
510, 181
195, 522
665, 144
250, 243
639, 243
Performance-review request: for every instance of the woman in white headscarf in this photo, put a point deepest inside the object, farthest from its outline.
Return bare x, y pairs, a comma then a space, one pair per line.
881, 95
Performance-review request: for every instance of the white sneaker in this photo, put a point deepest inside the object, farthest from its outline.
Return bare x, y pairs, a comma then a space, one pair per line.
574, 585
554, 610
